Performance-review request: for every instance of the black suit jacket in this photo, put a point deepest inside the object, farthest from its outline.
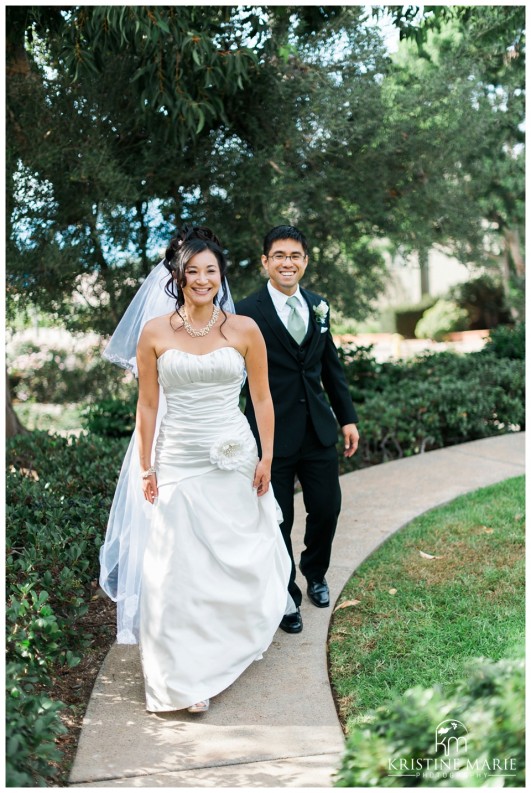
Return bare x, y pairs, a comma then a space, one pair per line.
300, 375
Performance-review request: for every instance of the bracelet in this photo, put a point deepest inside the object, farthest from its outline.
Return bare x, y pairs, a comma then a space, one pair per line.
148, 473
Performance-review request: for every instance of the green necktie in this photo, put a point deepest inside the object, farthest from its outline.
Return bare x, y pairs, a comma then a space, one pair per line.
296, 325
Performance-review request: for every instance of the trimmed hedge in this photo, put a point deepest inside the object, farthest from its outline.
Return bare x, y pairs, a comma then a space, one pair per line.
111, 418
507, 341
59, 493
395, 747
433, 400
442, 318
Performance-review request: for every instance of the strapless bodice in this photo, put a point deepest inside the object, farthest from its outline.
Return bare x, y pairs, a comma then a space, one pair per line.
202, 394
179, 370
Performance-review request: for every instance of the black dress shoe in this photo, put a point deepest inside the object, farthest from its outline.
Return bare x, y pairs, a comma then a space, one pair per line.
318, 593
291, 623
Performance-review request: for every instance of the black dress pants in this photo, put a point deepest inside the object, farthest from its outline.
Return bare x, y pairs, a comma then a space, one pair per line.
316, 467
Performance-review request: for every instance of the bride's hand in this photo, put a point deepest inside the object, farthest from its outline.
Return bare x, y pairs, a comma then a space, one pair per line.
149, 486
262, 478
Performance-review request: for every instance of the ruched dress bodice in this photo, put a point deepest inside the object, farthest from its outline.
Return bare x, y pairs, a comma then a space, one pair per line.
202, 395
215, 569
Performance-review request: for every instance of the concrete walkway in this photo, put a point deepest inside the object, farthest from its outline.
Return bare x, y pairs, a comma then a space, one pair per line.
276, 726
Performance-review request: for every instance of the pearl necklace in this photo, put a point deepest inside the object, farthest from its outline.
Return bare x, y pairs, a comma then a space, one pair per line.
202, 331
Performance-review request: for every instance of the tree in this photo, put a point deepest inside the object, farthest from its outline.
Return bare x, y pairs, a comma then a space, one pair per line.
85, 146
121, 123
123, 120
485, 46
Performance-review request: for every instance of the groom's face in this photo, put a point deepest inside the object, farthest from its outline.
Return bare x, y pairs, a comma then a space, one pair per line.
285, 265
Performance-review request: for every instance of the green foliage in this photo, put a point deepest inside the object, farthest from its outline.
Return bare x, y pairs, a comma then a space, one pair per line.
181, 61
507, 341
489, 702
32, 722
443, 318
364, 373
49, 417
431, 401
491, 40
404, 318
94, 193
57, 373
246, 101
111, 418
484, 300
59, 493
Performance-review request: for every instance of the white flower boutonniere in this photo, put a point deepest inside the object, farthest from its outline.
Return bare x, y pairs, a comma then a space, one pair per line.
321, 312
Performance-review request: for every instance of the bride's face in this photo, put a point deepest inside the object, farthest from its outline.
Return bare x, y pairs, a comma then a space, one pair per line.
203, 279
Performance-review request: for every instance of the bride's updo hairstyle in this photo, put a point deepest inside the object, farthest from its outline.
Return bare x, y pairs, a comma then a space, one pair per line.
189, 241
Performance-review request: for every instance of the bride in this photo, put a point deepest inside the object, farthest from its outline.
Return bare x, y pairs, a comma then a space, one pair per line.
209, 565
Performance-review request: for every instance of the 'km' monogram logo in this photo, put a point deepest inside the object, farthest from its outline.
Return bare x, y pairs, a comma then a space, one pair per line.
450, 735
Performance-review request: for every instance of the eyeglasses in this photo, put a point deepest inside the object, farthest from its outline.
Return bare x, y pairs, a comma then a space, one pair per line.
279, 258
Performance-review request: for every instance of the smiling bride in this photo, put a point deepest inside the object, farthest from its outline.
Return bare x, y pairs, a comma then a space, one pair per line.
214, 568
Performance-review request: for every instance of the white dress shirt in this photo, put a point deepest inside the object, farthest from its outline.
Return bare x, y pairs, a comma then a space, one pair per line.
283, 310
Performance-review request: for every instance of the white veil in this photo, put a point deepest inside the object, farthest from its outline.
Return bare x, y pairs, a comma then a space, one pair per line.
130, 516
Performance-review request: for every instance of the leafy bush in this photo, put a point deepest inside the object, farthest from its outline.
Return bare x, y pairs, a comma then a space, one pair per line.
431, 401
111, 418
33, 722
443, 318
403, 318
62, 368
490, 706
59, 493
364, 373
507, 341
484, 300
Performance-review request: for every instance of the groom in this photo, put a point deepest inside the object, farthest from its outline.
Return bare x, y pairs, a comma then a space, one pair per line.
303, 367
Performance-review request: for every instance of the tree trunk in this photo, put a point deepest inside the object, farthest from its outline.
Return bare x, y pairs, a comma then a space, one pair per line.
512, 241
13, 425
511, 255
424, 264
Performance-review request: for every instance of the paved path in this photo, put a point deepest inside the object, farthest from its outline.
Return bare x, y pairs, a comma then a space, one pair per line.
276, 726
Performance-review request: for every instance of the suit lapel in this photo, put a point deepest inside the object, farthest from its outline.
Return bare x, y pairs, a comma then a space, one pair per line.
269, 313
314, 331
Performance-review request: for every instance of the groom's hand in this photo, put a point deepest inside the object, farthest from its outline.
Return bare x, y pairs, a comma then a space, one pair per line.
352, 438
262, 478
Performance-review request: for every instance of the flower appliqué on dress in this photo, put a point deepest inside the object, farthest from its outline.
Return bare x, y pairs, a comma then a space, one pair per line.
228, 454
321, 312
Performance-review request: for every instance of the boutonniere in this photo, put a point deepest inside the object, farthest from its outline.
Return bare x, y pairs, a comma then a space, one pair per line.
320, 312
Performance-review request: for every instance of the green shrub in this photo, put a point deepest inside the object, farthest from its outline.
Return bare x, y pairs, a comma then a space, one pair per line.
364, 373
507, 341
431, 401
489, 704
484, 300
111, 418
403, 318
60, 373
59, 492
32, 723
443, 318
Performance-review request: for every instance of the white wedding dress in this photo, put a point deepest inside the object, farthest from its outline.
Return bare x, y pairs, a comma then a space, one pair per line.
215, 570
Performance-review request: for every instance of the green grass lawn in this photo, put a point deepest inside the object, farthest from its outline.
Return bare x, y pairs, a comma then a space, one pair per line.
419, 620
